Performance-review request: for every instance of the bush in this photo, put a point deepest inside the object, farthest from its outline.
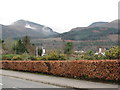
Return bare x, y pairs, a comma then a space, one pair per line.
90, 69
8, 57
54, 56
89, 55
25, 56
99, 57
18, 57
0, 57
113, 53
32, 58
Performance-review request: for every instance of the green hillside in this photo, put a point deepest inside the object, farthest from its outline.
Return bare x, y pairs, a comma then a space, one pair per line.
95, 33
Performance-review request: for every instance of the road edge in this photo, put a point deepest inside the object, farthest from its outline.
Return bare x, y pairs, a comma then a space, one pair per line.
44, 82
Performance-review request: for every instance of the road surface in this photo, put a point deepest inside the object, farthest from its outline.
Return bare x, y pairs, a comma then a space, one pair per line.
48, 81
16, 83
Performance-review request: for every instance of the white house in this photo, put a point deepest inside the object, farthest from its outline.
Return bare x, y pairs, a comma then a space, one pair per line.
43, 51
100, 51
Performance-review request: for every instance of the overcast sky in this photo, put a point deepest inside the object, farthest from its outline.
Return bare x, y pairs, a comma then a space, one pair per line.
60, 15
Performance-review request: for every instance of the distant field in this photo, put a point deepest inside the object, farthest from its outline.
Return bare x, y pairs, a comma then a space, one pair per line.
50, 43
51, 39
58, 44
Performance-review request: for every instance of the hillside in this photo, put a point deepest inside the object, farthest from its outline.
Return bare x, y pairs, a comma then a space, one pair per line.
95, 31
104, 34
21, 28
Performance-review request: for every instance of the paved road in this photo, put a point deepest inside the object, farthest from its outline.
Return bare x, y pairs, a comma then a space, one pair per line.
59, 81
10, 82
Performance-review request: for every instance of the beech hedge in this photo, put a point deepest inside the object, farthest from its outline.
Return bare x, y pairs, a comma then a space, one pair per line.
100, 69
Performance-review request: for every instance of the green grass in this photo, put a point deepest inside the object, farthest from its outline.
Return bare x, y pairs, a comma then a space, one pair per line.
7, 56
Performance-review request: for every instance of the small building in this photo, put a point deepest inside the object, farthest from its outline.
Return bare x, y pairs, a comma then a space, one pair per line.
43, 51
101, 51
79, 51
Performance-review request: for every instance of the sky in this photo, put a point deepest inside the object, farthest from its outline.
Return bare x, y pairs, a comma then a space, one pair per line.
60, 15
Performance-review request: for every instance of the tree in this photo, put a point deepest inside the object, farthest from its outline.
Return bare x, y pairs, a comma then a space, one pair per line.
26, 40
68, 48
3, 45
9, 42
19, 47
39, 51
30, 48
113, 53
89, 55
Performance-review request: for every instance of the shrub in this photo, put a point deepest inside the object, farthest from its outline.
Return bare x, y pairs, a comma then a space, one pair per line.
89, 55
62, 57
113, 53
25, 56
39, 58
8, 57
99, 57
18, 57
32, 58
43, 58
54, 56
89, 69
0, 57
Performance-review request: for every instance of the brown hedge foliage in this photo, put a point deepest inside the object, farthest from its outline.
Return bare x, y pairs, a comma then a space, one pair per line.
101, 69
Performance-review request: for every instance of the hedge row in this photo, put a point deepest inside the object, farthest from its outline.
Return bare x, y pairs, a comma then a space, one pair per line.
100, 69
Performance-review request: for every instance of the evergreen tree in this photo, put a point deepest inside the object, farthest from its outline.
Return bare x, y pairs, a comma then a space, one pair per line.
39, 51
19, 48
68, 48
30, 48
26, 40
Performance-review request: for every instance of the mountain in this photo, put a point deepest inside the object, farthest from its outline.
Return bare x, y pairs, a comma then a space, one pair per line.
113, 24
95, 31
97, 24
21, 28
78, 28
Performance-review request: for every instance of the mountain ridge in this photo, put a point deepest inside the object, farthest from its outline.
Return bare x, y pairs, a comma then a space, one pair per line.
21, 28
95, 31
